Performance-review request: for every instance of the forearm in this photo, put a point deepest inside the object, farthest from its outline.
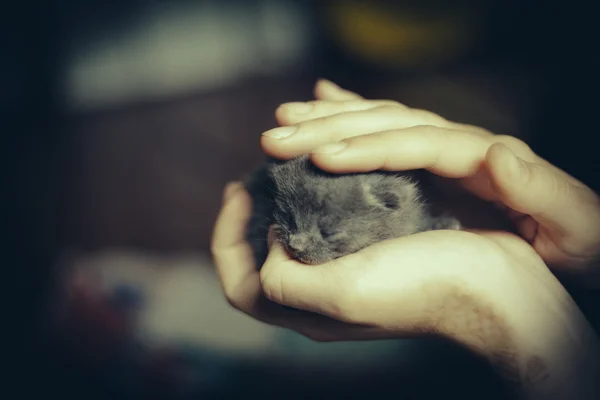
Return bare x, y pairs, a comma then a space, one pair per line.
557, 354
537, 340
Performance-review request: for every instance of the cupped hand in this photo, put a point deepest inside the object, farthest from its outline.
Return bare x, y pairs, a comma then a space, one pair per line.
556, 213
489, 292
400, 287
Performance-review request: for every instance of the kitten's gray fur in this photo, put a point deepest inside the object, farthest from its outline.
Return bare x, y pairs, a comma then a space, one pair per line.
320, 216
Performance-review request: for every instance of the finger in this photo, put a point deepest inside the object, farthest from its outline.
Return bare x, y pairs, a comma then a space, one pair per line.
230, 225
327, 90
544, 193
230, 190
232, 255
448, 153
295, 113
319, 289
242, 285
290, 141
234, 262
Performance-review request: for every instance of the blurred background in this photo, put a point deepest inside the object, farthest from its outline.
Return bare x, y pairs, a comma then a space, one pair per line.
125, 119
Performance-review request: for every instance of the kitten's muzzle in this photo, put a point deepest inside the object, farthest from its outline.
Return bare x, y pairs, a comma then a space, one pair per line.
303, 248
298, 243
307, 257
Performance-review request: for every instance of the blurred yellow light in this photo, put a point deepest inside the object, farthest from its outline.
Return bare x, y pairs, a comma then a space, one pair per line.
393, 39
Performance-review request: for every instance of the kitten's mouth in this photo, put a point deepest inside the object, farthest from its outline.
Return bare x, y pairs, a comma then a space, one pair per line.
310, 261
304, 257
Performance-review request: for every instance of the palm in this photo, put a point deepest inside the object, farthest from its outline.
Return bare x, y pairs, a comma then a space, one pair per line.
399, 271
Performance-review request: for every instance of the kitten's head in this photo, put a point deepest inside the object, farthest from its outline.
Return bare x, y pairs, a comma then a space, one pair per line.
320, 216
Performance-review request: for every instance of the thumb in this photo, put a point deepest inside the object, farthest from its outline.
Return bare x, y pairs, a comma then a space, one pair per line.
313, 288
543, 192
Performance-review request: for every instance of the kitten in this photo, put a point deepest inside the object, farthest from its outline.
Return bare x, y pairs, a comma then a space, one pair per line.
319, 216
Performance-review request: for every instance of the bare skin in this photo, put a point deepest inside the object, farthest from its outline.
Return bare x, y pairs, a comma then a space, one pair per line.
490, 291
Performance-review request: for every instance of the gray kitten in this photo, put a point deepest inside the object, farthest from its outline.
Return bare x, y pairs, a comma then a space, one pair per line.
320, 216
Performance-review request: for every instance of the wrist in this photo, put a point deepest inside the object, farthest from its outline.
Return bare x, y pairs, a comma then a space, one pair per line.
532, 332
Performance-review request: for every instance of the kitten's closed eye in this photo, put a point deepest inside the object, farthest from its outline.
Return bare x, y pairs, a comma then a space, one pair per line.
333, 235
389, 200
327, 232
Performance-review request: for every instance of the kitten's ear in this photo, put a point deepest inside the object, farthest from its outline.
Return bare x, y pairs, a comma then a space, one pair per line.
388, 199
272, 168
381, 196
282, 171
388, 194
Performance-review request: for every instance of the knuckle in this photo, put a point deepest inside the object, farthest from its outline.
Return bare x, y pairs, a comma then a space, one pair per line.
553, 186
379, 135
321, 125
321, 106
427, 117
391, 104
232, 298
513, 143
332, 108
389, 108
430, 131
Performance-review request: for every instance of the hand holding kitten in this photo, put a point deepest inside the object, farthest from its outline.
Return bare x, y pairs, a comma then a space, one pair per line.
557, 214
490, 291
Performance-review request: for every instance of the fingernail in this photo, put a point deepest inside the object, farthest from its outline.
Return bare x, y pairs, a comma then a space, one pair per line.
280, 133
230, 190
330, 148
298, 108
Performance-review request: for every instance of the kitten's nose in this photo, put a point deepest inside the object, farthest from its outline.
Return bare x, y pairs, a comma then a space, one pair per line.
298, 242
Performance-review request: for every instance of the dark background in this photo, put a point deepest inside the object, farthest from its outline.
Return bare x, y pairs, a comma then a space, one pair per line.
56, 161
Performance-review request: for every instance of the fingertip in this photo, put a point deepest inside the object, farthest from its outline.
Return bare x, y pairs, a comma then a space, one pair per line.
500, 156
272, 148
231, 221
237, 203
328, 85
321, 87
504, 167
282, 115
510, 179
280, 112
496, 151
230, 190
327, 90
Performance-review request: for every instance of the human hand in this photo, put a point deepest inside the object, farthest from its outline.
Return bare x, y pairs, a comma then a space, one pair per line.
489, 292
557, 214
